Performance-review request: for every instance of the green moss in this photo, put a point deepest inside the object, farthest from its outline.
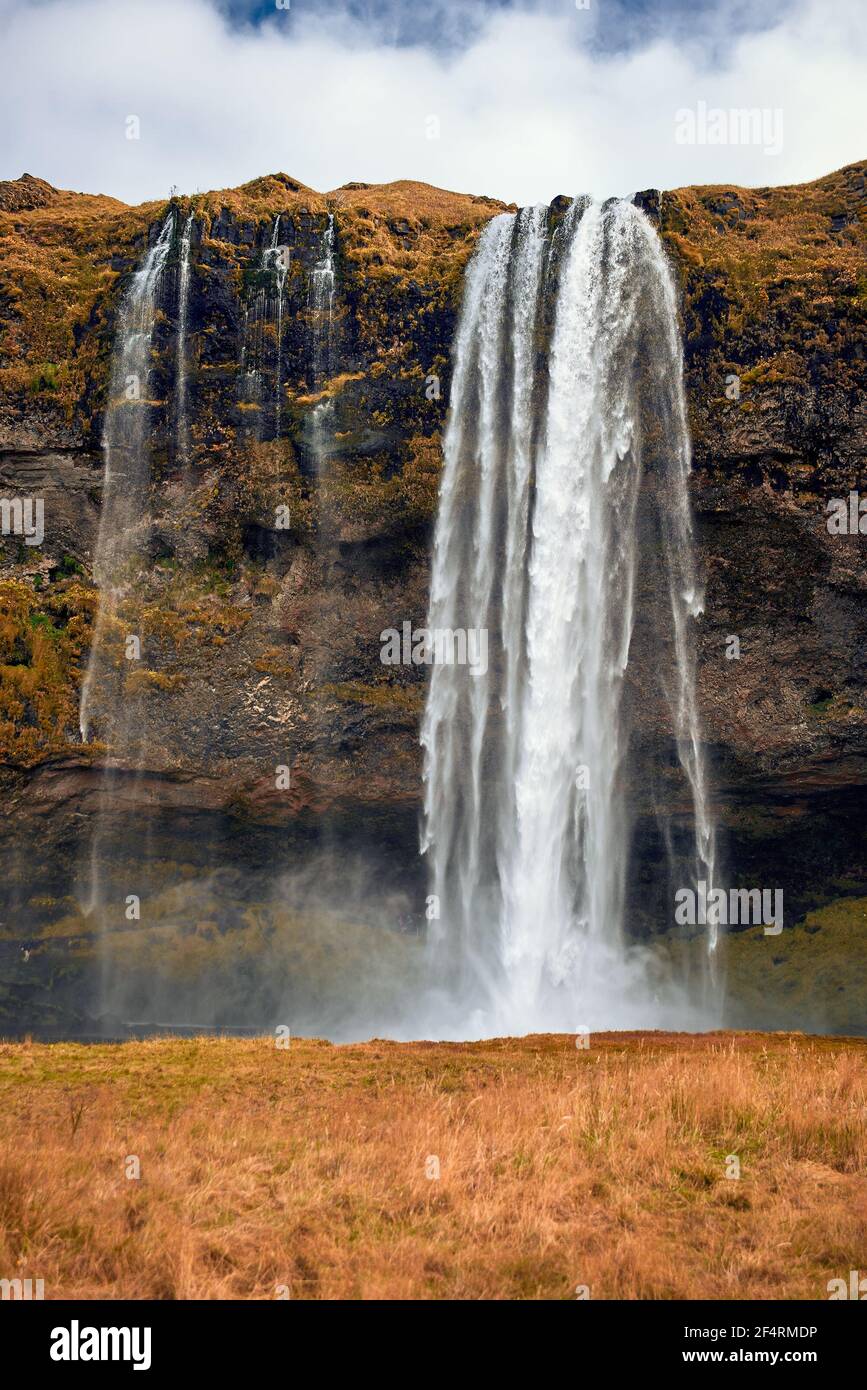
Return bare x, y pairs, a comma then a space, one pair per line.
813, 975
41, 622
821, 706
68, 566
44, 378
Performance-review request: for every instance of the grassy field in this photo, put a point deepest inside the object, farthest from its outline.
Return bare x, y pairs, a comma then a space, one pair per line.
507, 1169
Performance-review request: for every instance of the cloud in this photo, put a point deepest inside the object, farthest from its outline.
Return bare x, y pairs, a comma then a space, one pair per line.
532, 103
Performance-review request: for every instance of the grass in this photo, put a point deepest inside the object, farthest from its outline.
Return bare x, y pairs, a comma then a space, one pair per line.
304, 1171
62, 254
772, 289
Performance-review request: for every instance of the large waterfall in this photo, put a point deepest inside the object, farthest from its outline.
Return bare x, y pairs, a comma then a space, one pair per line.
567, 420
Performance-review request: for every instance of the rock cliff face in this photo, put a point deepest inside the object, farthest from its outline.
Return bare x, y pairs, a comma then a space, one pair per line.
293, 515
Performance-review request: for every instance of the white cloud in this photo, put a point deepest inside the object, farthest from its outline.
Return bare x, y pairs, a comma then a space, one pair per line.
527, 109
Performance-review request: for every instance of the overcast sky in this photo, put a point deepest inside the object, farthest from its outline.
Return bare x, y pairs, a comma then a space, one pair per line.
521, 99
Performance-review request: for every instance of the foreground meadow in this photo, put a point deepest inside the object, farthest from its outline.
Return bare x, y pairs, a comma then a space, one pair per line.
517, 1168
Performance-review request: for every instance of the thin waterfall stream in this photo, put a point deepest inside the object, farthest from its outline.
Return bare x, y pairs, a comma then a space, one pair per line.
124, 534
182, 375
277, 263
322, 288
262, 315
125, 513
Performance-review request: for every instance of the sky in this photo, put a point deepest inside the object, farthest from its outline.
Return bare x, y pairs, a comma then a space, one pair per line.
516, 99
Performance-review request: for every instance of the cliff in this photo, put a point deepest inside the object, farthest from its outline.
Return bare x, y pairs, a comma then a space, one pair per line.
262, 641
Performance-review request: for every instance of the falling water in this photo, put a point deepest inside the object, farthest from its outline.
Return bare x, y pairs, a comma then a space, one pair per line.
124, 525
277, 262
322, 288
250, 380
537, 541
264, 308
183, 431
322, 294
121, 550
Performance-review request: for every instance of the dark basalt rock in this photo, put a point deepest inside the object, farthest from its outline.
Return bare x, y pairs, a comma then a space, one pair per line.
648, 201
26, 193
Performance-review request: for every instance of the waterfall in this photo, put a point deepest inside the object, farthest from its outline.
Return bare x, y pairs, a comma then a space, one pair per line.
181, 372
264, 308
322, 293
276, 261
322, 288
250, 377
121, 555
124, 524
567, 416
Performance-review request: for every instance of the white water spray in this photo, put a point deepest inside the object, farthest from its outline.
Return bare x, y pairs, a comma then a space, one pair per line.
276, 261
122, 541
124, 524
323, 282
526, 817
183, 426
264, 308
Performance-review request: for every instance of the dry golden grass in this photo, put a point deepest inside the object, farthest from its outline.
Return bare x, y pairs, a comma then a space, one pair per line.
306, 1168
